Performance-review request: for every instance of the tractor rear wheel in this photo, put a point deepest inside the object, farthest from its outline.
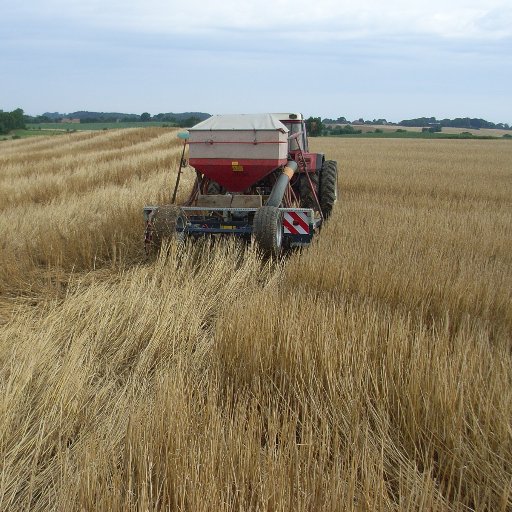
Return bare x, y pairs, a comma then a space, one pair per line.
307, 199
167, 223
328, 187
268, 229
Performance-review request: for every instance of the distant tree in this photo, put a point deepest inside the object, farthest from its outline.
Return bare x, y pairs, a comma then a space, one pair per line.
11, 120
462, 123
436, 128
18, 118
420, 121
188, 122
145, 117
314, 126
339, 120
344, 130
458, 122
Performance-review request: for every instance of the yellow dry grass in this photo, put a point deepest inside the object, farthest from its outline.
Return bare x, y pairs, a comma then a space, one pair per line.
371, 371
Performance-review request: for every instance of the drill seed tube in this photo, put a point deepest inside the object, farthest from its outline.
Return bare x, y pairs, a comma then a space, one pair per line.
276, 196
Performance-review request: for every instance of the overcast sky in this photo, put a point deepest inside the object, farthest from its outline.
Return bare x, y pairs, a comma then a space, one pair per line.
367, 58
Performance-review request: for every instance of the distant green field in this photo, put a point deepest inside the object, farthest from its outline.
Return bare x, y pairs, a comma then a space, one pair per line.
33, 129
92, 126
17, 134
60, 128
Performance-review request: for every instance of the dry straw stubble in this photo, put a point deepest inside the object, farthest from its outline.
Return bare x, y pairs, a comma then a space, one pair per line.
369, 372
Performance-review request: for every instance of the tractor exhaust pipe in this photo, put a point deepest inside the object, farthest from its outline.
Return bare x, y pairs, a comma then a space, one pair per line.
276, 196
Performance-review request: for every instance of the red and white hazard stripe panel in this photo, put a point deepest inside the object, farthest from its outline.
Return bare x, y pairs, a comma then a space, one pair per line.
296, 223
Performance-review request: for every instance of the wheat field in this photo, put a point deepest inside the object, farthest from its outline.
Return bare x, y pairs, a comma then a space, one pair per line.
371, 371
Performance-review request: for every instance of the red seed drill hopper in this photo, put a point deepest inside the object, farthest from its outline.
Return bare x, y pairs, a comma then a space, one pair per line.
255, 178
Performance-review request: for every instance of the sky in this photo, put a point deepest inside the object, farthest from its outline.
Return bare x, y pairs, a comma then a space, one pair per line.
396, 60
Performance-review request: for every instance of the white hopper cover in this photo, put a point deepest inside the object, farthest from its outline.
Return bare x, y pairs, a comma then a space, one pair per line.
239, 137
241, 122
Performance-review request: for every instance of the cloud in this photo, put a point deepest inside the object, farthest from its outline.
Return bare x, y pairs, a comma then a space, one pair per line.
395, 59
297, 19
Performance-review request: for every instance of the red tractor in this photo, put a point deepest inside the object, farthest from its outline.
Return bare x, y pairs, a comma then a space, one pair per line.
255, 178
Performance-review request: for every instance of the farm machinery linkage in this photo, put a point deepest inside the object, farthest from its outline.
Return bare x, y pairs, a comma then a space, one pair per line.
255, 178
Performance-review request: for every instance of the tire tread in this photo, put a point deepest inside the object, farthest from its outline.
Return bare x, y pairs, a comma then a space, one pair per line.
267, 220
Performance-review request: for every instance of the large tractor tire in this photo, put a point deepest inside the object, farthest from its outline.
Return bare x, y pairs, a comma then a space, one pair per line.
328, 187
307, 199
167, 223
268, 229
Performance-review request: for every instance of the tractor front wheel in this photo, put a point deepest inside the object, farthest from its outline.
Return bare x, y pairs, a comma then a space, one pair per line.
268, 229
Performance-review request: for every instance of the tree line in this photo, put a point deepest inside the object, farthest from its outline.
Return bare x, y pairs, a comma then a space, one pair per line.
471, 123
459, 122
9, 121
316, 126
184, 119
